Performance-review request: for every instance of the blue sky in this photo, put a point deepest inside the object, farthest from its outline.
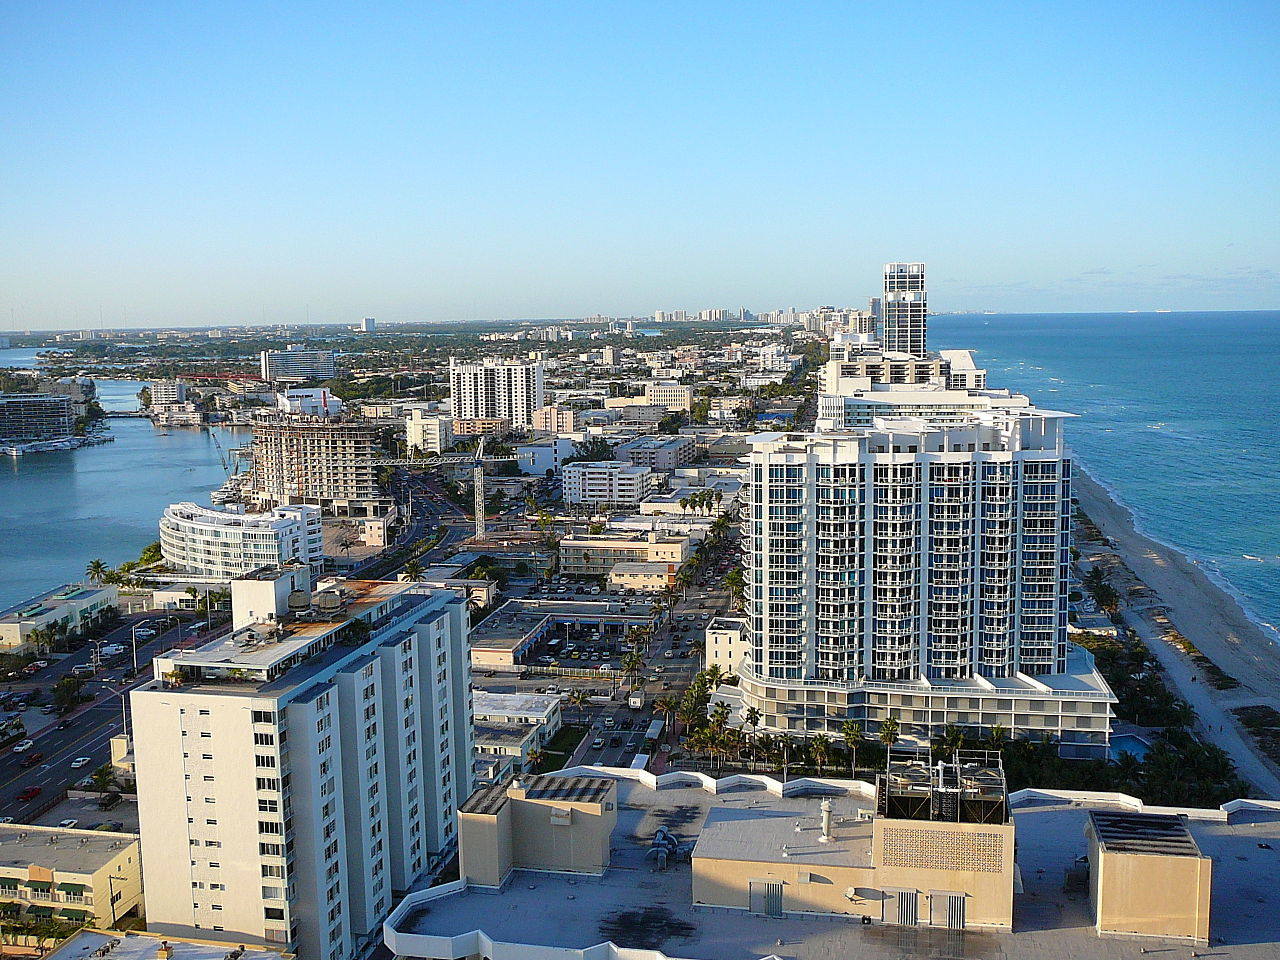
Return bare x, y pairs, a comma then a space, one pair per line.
222, 163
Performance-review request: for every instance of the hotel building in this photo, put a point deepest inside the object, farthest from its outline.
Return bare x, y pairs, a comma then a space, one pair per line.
294, 363
222, 545
297, 776
497, 389
918, 571
905, 309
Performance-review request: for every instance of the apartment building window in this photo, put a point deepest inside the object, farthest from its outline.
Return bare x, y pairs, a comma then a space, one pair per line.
274, 913
263, 716
323, 723
264, 740
270, 850
273, 871
268, 783
268, 806
259, 760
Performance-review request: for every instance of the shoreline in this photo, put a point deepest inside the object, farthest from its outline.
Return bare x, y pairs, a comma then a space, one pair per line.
1202, 610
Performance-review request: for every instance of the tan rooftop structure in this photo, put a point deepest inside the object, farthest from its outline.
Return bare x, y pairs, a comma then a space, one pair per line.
76, 876
561, 824
1147, 876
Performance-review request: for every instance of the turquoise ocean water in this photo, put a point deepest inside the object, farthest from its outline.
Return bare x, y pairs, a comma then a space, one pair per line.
1177, 417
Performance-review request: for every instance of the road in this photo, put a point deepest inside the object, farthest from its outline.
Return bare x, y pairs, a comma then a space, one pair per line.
88, 729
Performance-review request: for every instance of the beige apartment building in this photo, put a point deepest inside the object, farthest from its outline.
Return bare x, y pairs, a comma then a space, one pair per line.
481, 427
595, 554
672, 394
555, 419
79, 876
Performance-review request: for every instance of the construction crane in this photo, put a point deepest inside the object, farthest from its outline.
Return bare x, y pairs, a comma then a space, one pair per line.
475, 461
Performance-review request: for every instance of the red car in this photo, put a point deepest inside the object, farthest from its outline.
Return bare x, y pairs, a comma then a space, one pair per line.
29, 794
31, 759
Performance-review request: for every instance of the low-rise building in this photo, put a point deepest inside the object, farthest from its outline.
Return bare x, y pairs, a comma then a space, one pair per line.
641, 576
726, 643
544, 457
595, 554
70, 608
78, 876
607, 482
136, 945
658, 453
481, 427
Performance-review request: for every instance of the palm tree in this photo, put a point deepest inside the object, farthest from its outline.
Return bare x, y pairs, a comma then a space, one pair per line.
737, 586
851, 732
96, 571
751, 718
713, 675
888, 731
534, 759
413, 570
821, 750
633, 667
998, 737
953, 738
666, 705
719, 717
579, 698
102, 779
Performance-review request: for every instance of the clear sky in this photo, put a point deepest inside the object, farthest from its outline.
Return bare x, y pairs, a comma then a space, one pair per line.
224, 163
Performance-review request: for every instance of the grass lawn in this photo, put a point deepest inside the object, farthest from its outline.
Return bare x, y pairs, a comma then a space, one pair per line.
561, 747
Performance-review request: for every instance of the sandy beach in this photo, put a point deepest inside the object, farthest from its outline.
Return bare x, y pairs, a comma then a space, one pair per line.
1206, 615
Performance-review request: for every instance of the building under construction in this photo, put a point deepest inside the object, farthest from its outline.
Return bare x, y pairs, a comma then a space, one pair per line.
328, 462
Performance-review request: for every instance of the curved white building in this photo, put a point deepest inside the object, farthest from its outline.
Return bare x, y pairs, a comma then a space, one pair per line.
219, 544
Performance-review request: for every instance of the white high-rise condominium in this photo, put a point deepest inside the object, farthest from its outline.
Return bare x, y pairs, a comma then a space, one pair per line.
224, 545
904, 310
295, 363
297, 776
494, 388
917, 571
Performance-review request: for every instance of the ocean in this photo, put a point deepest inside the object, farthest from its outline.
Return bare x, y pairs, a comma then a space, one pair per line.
1177, 417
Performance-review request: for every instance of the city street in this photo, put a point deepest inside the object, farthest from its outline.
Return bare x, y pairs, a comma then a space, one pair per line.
87, 730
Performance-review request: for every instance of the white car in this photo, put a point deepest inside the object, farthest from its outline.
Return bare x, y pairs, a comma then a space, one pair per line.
79, 762
24, 746
68, 824
112, 650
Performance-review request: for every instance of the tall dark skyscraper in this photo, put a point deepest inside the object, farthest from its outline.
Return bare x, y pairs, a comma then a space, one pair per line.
905, 309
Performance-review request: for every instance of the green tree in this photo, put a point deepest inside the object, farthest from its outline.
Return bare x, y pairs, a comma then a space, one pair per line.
413, 570
96, 571
889, 731
851, 733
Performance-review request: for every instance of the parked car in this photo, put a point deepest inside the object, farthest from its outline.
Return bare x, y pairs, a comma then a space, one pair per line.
69, 824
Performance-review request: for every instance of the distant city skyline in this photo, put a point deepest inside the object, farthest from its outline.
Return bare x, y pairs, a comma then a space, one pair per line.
222, 165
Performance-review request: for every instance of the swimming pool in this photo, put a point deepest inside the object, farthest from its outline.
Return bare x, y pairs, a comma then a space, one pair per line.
1129, 743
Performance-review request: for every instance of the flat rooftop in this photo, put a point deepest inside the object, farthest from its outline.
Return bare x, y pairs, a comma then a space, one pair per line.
486, 704
635, 905
49, 601
143, 946
255, 648
1162, 834
65, 851
788, 831
508, 735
